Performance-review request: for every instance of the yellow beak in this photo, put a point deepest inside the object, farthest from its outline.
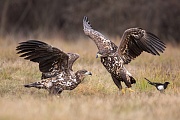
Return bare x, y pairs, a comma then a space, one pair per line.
98, 55
88, 73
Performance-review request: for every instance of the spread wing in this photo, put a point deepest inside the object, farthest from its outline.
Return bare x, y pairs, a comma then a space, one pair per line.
135, 40
48, 57
72, 58
104, 45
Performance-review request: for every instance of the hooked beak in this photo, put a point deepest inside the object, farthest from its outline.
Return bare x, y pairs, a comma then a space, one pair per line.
88, 73
98, 55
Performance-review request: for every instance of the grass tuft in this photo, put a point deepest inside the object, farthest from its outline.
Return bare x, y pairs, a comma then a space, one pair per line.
97, 98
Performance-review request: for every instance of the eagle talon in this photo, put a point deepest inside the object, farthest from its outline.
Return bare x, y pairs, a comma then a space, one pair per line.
123, 90
130, 90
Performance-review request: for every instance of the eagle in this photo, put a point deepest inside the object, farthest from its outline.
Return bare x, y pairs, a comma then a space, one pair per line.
55, 65
133, 42
159, 86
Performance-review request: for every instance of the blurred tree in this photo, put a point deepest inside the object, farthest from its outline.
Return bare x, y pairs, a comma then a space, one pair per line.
112, 17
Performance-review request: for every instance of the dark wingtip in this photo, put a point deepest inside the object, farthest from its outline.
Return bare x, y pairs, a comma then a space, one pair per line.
157, 44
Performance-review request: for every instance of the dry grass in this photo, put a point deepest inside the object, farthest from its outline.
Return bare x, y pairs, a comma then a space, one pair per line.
97, 98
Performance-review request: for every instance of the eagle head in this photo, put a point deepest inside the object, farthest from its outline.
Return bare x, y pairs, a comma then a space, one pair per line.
81, 74
102, 54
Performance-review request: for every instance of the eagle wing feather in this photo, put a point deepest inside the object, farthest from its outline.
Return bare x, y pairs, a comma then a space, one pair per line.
48, 57
104, 45
136, 40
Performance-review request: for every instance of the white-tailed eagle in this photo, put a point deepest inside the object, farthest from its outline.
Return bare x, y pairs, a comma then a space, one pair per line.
133, 42
55, 65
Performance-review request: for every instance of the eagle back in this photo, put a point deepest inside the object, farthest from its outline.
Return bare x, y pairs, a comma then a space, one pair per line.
62, 81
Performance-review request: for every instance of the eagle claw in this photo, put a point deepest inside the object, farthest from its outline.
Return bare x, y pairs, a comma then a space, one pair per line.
125, 89
131, 90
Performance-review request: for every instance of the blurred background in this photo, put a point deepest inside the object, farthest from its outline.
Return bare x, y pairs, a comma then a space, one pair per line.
111, 17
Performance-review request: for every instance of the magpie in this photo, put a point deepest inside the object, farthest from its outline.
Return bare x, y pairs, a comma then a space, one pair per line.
159, 86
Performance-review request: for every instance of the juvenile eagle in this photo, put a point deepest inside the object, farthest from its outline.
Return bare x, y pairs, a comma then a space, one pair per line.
159, 86
55, 65
133, 42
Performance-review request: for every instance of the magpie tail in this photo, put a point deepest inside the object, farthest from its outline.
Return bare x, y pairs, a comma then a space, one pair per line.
149, 81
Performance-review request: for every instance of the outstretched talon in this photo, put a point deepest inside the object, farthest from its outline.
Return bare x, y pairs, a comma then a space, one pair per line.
130, 90
123, 90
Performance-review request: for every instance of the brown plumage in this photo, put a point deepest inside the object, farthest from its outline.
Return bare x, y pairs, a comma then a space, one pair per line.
133, 42
55, 65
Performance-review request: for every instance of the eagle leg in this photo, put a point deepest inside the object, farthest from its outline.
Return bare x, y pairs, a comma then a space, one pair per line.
117, 82
54, 91
128, 80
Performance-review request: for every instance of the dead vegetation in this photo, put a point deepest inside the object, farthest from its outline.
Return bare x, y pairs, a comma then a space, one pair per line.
97, 98
112, 17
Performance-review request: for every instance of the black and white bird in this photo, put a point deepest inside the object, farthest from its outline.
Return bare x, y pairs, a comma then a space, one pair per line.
55, 65
159, 86
133, 42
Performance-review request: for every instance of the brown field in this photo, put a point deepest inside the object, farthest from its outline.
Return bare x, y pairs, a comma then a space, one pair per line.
97, 98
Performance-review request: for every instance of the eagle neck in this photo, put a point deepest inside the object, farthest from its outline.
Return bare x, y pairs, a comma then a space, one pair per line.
78, 78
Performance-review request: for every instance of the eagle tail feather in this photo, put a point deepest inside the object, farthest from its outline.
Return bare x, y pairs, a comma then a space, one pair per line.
35, 84
133, 81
